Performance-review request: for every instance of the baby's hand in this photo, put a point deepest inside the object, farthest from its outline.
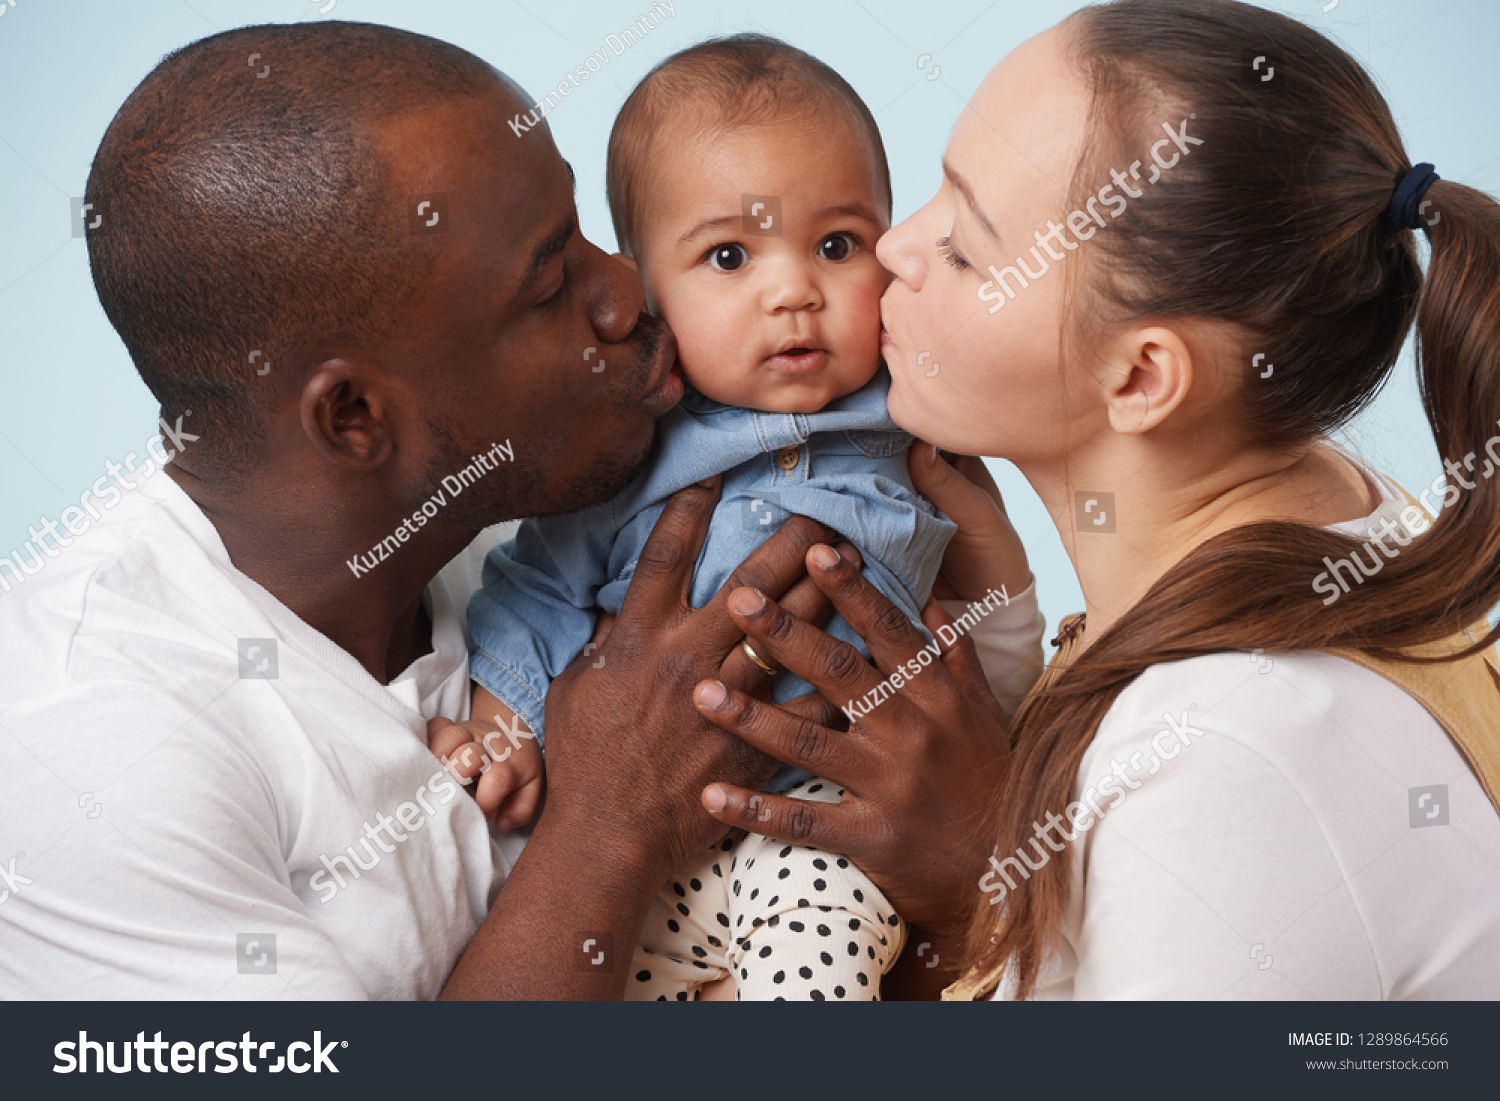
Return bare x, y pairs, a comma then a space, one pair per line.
499, 756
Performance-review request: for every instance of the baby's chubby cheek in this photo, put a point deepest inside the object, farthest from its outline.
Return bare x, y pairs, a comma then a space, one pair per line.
858, 329
708, 349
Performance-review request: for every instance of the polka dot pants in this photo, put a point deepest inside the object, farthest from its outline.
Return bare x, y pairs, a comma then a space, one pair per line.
790, 923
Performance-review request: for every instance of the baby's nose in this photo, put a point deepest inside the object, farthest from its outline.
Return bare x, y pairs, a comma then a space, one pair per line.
792, 285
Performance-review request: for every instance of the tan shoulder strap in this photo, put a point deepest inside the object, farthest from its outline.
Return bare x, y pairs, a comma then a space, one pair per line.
1462, 695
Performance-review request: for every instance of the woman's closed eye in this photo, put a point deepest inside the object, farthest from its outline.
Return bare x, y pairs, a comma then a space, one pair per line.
950, 255
727, 257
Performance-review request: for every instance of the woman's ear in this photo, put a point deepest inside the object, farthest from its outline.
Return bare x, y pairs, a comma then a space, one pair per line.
1150, 372
628, 261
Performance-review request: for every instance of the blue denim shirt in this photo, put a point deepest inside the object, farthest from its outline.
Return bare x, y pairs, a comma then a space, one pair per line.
844, 465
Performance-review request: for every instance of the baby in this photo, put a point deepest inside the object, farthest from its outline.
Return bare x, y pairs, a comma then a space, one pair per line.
748, 184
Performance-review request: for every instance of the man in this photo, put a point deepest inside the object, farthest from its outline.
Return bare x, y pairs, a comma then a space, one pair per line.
370, 319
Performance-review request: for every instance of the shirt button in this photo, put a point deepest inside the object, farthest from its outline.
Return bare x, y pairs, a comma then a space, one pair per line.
786, 458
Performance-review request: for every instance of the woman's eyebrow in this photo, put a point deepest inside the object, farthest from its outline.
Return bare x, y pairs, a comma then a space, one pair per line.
961, 185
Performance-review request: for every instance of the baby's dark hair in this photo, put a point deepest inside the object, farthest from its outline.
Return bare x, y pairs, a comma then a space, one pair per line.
738, 80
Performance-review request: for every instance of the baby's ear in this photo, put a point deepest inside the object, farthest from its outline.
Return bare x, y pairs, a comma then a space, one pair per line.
628, 261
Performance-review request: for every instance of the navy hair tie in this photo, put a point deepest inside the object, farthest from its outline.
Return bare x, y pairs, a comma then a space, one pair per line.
1402, 213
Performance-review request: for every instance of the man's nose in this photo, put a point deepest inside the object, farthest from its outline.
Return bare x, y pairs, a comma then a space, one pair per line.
616, 297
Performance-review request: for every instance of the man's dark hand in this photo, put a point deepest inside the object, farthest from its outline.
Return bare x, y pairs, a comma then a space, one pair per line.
624, 742
920, 771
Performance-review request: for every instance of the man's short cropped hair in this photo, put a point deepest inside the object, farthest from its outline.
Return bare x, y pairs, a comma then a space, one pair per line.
720, 84
245, 217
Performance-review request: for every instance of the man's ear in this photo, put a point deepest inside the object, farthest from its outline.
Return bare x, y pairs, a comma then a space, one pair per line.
345, 415
1149, 373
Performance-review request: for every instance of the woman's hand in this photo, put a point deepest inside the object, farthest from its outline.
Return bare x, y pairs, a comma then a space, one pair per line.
986, 553
920, 770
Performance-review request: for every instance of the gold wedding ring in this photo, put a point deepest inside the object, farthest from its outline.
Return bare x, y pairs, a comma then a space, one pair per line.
753, 656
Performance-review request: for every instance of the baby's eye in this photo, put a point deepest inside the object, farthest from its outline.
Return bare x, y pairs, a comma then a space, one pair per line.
728, 257
837, 246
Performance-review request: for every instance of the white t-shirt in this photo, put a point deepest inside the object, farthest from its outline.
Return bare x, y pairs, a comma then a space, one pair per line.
1286, 851
171, 829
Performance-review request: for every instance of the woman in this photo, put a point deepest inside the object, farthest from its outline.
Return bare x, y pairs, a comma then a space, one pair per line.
1224, 784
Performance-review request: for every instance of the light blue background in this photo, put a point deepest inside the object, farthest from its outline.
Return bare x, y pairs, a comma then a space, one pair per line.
71, 399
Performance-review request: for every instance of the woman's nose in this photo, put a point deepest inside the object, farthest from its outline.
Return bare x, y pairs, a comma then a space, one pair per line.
899, 250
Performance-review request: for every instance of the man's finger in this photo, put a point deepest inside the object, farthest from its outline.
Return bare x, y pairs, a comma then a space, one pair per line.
962, 658
887, 632
831, 665
808, 602
815, 708
805, 601
786, 735
798, 821
773, 568
664, 572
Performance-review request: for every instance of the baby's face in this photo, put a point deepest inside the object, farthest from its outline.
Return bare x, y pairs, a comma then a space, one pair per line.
785, 322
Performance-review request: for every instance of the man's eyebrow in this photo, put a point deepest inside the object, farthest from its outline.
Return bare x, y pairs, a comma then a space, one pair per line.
572, 178
555, 242
961, 185
853, 210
